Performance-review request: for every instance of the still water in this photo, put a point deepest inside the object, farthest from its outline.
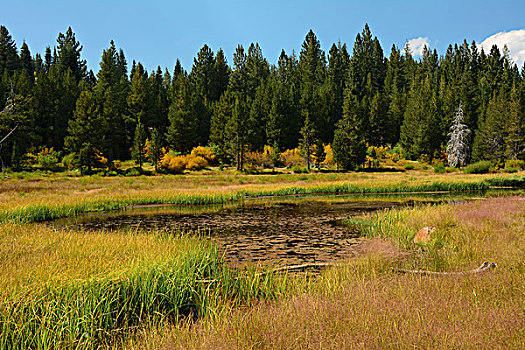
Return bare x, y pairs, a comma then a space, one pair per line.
278, 231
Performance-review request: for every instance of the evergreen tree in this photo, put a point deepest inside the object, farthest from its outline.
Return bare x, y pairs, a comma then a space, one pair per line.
332, 92
515, 128
26, 61
458, 147
43, 110
319, 153
238, 77
203, 74
48, 59
312, 72
139, 144
111, 91
257, 70
139, 99
236, 130
85, 135
308, 140
349, 145
68, 57
9, 60
395, 93
66, 95
221, 74
222, 113
489, 142
275, 126
259, 110
182, 134
366, 76
420, 133
156, 147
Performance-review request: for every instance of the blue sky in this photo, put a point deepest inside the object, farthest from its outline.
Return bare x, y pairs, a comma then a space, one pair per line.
158, 32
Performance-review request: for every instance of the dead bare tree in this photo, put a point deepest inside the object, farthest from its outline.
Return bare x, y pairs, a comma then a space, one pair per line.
9, 109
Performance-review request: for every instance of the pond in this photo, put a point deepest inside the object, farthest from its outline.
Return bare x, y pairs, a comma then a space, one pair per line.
282, 231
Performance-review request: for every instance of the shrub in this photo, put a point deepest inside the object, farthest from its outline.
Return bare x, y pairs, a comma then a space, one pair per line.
195, 162
173, 163
292, 157
481, 167
258, 159
47, 158
329, 158
205, 153
133, 172
70, 161
510, 170
297, 169
397, 153
409, 167
515, 164
439, 168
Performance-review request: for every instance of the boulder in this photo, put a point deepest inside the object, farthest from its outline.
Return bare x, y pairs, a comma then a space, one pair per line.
423, 236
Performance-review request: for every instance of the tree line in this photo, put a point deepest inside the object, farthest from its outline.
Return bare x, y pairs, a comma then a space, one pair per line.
305, 100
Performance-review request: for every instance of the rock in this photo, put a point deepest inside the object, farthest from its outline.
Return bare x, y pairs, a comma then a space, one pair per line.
423, 236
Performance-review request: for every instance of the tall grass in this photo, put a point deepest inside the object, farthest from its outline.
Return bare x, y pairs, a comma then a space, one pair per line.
101, 311
44, 212
364, 304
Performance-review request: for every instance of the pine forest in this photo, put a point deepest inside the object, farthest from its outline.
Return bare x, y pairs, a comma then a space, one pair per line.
461, 107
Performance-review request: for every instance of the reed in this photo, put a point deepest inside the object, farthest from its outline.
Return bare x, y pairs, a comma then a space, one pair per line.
100, 311
44, 212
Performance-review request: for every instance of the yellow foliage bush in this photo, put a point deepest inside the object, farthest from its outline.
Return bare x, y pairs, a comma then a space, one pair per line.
258, 159
292, 157
329, 156
177, 163
205, 153
195, 162
173, 163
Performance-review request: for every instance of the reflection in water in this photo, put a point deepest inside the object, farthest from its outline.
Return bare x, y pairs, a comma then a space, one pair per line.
289, 232
271, 230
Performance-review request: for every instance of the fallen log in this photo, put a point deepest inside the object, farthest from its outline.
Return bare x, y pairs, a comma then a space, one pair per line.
486, 266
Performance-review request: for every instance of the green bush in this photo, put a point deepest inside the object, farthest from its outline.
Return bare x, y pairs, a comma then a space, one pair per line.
515, 164
409, 167
133, 172
70, 161
481, 167
439, 168
297, 169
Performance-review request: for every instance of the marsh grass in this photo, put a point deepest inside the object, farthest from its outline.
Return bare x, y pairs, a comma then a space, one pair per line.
69, 289
66, 289
69, 208
366, 305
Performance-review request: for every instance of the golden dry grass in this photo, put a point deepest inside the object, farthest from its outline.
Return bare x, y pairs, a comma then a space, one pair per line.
365, 305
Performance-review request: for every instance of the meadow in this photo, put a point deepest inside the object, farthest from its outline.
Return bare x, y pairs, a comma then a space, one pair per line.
68, 289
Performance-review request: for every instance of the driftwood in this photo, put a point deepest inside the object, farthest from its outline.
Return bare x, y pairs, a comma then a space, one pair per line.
486, 266
299, 267
284, 268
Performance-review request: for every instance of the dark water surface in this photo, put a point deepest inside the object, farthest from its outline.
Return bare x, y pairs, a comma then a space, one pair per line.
283, 231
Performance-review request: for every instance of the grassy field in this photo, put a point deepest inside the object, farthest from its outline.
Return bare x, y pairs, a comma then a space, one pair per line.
367, 305
37, 199
64, 289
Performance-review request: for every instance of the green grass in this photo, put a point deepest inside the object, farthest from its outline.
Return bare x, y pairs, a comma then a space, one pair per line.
94, 312
44, 212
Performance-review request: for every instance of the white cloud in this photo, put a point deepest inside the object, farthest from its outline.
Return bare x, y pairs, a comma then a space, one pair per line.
417, 44
515, 41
